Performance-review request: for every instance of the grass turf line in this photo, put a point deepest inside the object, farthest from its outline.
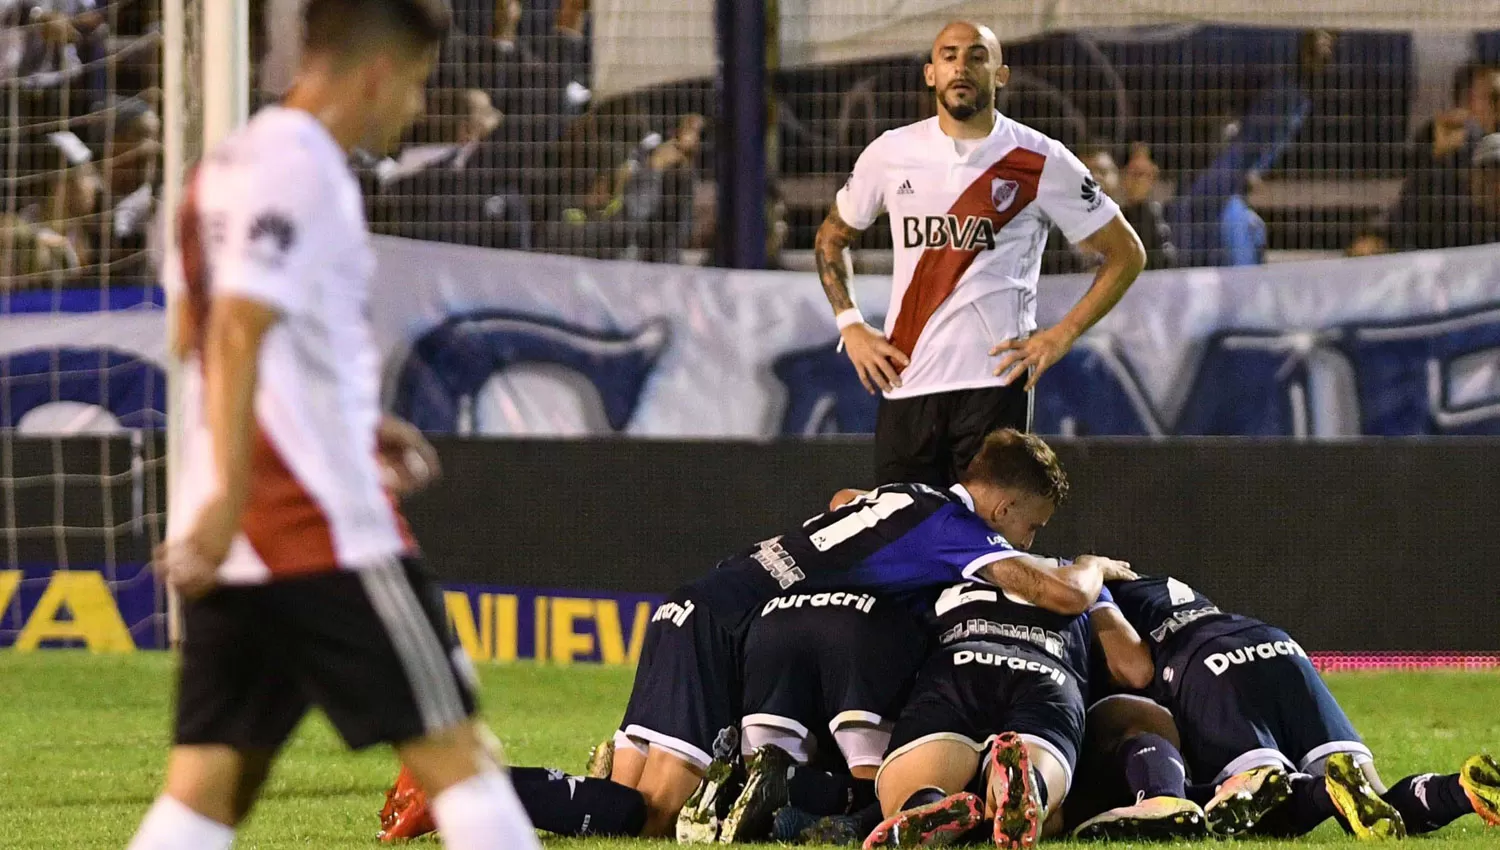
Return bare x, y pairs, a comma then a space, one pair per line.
83, 742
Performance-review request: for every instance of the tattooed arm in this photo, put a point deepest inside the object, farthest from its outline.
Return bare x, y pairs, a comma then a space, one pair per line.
877, 362
834, 266
1068, 589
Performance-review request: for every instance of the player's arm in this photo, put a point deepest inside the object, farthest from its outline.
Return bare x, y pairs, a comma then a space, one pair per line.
876, 361
1072, 199
237, 327
1066, 589
1128, 657
858, 204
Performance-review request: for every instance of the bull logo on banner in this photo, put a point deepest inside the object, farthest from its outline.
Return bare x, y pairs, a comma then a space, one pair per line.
1437, 376
450, 367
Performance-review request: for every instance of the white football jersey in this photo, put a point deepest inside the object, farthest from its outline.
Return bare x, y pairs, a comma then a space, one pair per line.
273, 214
968, 232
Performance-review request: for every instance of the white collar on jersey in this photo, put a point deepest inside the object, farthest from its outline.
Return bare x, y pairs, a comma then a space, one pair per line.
952, 143
959, 491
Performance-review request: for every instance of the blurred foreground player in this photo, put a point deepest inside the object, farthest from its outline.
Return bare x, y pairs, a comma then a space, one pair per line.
1251, 707
971, 196
301, 583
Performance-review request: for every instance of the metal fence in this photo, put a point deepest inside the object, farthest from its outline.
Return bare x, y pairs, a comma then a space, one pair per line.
591, 128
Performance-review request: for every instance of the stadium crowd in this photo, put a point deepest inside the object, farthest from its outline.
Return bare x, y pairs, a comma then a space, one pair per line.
518, 153
82, 140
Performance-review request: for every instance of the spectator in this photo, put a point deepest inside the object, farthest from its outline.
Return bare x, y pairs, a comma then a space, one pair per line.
1211, 219
1436, 187
1369, 241
131, 154
62, 216
1473, 220
50, 43
29, 254
1132, 191
642, 210
447, 189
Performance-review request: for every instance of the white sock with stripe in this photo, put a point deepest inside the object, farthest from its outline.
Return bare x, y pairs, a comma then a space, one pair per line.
483, 813
171, 825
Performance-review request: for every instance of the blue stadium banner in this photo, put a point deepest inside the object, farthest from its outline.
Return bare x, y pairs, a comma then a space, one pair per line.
549, 626
103, 610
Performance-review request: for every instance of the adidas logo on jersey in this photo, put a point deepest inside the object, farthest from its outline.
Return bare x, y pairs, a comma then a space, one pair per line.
1221, 661
972, 233
1014, 662
678, 614
905, 188
859, 601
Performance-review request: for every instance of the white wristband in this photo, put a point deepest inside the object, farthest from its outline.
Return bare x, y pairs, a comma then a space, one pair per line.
848, 317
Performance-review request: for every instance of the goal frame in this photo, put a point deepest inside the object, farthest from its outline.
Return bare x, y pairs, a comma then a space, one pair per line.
205, 68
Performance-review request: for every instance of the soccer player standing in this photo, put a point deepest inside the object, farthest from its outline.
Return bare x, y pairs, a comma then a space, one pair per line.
301, 582
971, 196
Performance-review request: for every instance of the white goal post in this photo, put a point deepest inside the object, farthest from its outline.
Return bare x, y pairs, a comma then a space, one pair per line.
206, 94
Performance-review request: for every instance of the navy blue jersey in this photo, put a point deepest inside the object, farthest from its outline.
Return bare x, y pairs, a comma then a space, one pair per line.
978, 613
894, 539
1172, 617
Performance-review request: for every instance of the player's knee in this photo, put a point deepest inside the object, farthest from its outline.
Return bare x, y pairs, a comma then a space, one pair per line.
665, 785
1054, 772
629, 760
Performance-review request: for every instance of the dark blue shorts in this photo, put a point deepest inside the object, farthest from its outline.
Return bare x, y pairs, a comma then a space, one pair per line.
817, 662
1252, 698
972, 692
687, 692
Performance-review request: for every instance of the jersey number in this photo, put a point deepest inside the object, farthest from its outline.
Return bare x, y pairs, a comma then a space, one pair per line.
1180, 593
963, 594
875, 509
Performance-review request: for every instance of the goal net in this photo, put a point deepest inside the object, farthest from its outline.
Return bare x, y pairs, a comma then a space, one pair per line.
105, 103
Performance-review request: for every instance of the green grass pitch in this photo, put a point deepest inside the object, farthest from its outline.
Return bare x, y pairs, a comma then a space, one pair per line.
83, 740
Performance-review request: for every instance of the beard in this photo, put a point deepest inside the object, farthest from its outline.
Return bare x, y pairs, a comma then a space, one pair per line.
964, 111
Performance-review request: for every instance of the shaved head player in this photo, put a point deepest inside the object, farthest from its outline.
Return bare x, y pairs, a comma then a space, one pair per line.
302, 584
971, 196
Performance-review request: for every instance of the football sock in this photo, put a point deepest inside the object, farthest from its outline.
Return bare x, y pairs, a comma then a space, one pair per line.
923, 797
1199, 792
482, 813
1308, 806
867, 818
1153, 767
171, 825
577, 805
821, 793
1041, 786
1429, 801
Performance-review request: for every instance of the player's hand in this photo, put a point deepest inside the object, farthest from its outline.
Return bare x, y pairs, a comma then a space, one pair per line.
181, 565
876, 361
1036, 353
1111, 569
408, 462
191, 564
